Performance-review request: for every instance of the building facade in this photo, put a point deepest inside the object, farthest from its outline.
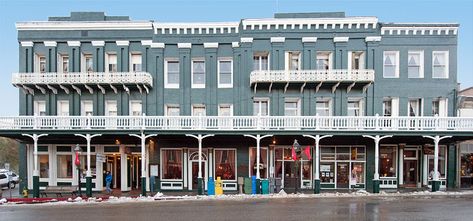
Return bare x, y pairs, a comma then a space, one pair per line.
374, 103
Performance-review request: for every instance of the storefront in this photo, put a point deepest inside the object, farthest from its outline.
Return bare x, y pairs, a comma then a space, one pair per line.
342, 167
285, 168
466, 165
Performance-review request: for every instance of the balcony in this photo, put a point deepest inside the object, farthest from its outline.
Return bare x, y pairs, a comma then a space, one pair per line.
77, 81
235, 124
334, 76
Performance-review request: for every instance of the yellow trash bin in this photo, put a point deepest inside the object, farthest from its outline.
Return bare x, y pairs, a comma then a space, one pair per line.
218, 186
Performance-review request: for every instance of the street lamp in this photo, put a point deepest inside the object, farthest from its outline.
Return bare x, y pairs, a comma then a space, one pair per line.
297, 150
77, 163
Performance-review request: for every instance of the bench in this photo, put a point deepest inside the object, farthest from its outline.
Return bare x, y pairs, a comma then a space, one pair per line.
59, 190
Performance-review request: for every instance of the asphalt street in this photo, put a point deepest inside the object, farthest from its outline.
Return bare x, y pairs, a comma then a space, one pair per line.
358, 208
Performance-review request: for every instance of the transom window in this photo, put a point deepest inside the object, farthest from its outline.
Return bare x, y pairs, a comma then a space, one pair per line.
440, 64
415, 64
260, 61
324, 60
225, 73
198, 74
171, 76
391, 64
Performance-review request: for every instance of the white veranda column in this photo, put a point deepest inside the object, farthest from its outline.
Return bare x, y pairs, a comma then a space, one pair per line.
143, 138
258, 138
376, 139
436, 139
35, 138
317, 139
88, 138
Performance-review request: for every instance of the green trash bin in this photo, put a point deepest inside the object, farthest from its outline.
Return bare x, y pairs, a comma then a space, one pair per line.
265, 186
247, 185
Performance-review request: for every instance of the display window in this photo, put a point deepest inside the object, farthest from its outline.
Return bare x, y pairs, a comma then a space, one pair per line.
172, 164
343, 166
263, 162
388, 161
225, 164
291, 174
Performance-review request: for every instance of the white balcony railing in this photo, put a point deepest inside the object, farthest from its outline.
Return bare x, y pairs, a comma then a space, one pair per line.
77, 78
284, 76
238, 123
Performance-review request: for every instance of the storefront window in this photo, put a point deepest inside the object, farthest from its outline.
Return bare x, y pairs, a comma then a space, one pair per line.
306, 170
286, 168
466, 166
43, 161
387, 160
83, 166
263, 162
343, 167
172, 164
225, 164
327, 153
64, 166
442, 169
327, 172
357, 173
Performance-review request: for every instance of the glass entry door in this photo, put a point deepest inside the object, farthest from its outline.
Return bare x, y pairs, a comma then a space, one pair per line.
411, 170
343, 171
195, 173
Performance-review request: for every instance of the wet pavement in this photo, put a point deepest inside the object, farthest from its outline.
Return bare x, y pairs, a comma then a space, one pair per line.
359, 208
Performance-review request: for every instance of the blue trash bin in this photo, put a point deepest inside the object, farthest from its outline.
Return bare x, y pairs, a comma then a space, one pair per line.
253, 184
211, 186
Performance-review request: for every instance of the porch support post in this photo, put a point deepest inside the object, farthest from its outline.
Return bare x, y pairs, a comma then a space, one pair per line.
88, 177
143, 138
258, 138
199, 138
435, 178
35, 138
376, 139
317, 139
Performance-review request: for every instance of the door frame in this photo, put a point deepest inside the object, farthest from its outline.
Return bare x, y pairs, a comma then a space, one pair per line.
189, 169
416, 158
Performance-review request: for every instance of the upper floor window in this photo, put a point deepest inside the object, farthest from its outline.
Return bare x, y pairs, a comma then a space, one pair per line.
111, 63
415, 107
415, 63
198, 74
40, 63
323, 107
391, 64
293, 60
292, 107
198, 110
387, 107
171, 74
40, 108
260, 61
135, 108
111, 108
439, 107
63, 108
225, 73
440, 64
225, 110
87, 63
324, 60
87, 108
261, 106
135, 61
356, 60
63, 63
172, 110
355, 107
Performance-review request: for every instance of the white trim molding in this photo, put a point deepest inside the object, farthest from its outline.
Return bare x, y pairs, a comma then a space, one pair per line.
26, 43
122, 43
309, 39
50, 43
419, 30
98, 43
340, 39
68, 25
372, 38
210, 44
196, 28
309, 23
278, 39
235, 44
184, 45
246, 40
157, 45
73, 43
146, 42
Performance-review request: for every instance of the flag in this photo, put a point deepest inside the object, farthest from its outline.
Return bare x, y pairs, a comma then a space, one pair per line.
293, 152
307, 152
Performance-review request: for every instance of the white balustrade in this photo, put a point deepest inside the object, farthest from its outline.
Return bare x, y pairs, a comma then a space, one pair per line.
83, 78
335, 75
238, 123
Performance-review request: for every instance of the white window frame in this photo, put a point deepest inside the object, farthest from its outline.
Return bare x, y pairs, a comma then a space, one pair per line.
259, 100
259, 56
324, 100
288, 62
131, 68
59, 110
83, 104
447, 68
196, 85
421, 63
166, 83
169, 106
108, 105
421, 106
236, 163
132, 102
360, 105
107, 62
396, 70
443, 106
194, 106
298, 105
37, 66
229, 85
60, 63
40, 108
351, 55
220, 106
324, 55
84, 57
